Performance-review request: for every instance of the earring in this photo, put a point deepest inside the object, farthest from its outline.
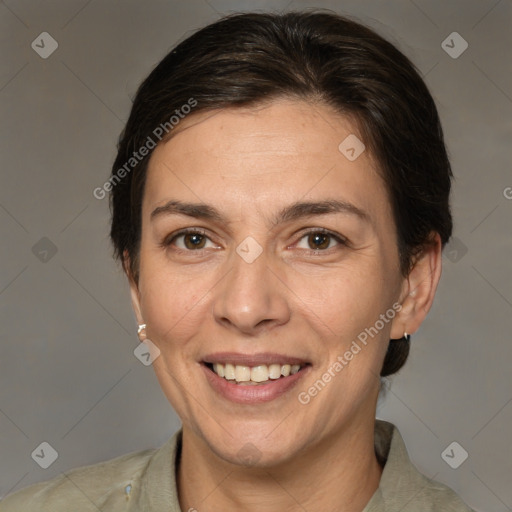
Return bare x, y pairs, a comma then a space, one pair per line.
407, 336
141, 328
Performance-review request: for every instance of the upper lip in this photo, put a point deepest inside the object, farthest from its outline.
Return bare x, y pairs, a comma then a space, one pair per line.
238, 359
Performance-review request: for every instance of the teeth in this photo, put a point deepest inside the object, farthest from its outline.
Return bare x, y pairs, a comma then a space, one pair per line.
274, 371
295, 368
219, 370
259, 373
256, 374
229, 371
242, 373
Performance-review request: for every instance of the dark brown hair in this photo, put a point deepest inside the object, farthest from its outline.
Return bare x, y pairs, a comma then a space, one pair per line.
249, 59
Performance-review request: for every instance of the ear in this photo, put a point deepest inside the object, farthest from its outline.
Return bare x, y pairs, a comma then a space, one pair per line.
419, 289
134, 289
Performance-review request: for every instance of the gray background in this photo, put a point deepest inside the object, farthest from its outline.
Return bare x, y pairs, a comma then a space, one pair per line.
68, 375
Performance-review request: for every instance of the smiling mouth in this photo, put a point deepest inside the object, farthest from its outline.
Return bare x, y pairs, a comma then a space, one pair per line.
254, 375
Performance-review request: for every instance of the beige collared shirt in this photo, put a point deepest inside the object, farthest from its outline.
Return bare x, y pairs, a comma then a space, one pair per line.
146, 481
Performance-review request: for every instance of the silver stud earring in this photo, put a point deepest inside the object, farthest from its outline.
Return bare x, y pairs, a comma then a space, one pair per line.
141, 328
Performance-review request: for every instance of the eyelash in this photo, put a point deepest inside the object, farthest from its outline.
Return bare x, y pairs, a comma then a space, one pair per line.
198, 231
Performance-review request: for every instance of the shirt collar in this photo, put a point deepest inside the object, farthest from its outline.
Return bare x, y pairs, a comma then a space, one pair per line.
159, 486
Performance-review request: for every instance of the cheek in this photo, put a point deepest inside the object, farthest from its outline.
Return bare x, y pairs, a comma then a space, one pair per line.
343, 301
173, 305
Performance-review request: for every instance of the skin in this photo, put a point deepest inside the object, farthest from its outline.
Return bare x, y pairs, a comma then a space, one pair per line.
249, 164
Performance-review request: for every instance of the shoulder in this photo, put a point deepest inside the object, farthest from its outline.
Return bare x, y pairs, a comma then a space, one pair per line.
402, 486
438, 496
87, 488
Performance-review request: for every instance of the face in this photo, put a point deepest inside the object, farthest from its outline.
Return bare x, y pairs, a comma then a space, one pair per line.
265, 252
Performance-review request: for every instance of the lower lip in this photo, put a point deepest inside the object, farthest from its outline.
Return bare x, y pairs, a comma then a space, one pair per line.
252, 394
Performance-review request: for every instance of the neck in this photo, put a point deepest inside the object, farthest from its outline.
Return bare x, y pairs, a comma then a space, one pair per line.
339, 473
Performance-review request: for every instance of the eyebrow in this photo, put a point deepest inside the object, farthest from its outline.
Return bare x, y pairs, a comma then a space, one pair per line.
295, 211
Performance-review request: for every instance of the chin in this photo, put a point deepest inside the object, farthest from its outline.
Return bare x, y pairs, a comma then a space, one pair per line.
255, 443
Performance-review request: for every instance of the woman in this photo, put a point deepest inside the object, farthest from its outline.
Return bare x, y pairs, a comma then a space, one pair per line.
279, 205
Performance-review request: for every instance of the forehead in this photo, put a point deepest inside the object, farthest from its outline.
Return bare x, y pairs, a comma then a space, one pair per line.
278, 153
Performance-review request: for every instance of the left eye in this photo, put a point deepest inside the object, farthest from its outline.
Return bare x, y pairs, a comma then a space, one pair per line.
191, 240
319, 240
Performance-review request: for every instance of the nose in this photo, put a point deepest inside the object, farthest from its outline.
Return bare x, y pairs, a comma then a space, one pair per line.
251, 298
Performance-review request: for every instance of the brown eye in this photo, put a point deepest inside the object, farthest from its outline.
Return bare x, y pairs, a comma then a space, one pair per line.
194, 241
319, 241
188, 240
